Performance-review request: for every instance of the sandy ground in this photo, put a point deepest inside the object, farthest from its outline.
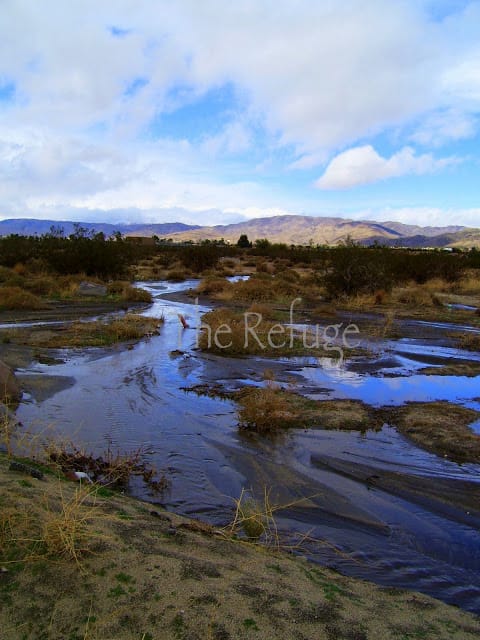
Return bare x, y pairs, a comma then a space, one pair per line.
149, 574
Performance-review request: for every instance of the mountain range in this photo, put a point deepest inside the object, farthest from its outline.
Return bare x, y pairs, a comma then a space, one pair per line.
34, 227
290, 229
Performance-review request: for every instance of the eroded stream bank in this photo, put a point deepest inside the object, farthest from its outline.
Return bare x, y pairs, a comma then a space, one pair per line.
398, 515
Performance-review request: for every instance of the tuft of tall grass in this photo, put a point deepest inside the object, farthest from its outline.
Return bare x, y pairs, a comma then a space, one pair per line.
66, 532
15, 298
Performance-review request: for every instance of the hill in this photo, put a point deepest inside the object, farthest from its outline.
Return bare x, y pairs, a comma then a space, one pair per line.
289, 229
33, 227
328, 230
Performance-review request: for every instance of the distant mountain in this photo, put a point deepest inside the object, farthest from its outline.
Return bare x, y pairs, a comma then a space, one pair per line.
288, 229
292, 230
32, 227
413, 230
460, 239
322, 230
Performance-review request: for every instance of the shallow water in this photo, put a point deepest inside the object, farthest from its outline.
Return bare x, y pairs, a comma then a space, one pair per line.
133, 397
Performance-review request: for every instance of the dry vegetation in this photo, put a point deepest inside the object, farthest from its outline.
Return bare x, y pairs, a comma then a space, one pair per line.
440, 427
263, 287
226, 332
130, 327
470, 341
14, 298
23, 288
270, 409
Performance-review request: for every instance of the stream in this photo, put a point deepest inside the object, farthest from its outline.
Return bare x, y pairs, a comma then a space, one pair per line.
372, 503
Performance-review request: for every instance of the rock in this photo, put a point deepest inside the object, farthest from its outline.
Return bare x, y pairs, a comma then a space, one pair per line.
10, 390
25, 468
91, 289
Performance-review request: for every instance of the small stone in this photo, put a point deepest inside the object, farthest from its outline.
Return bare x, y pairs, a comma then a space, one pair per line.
24, 468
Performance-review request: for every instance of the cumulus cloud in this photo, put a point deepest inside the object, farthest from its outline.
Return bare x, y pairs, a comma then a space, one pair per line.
444, 126
363, 165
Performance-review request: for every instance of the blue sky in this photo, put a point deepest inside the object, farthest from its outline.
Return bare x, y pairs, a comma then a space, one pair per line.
212, 112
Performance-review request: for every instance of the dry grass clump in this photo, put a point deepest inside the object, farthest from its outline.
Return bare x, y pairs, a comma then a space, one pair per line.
125, 291
256, 520
99, 334
66, 532
42, 285
347, 415
212, 285
177, 275
470, 341
440, 427
270, 409
135, 294
414, 296
260, 288
469, 284
56, 529
229, 333
14, 298
265, 310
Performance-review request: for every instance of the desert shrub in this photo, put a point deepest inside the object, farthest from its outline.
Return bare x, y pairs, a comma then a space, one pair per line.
262, 309
117, 287
227, 332
42, 285
352, 269
136, 294
415, 296
470, 341
289, 275
12, 298
356, 270
176, 275
469, 284
199, 258
264, 288
269, 409
212, 285
5, 274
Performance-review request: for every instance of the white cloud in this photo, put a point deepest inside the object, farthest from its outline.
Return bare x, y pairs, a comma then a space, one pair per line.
315, 76
445, 126
423, 216
363, 165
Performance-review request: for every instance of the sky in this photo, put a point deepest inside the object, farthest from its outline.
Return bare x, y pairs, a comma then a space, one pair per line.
215, 112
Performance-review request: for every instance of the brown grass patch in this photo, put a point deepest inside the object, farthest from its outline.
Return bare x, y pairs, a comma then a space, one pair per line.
470, 341
98, 333
226, 332
13, 298
270, 409
440, 427
125, 291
